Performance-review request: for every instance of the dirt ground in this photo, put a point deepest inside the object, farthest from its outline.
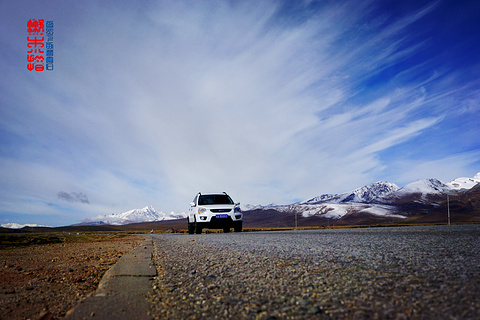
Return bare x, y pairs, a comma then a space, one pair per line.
45, 281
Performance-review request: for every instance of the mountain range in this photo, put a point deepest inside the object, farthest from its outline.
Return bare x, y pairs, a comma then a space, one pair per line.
14, 225
422, 200
378, 201
147, 214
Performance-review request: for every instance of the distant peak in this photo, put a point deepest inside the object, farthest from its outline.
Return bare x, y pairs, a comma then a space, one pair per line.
146, 214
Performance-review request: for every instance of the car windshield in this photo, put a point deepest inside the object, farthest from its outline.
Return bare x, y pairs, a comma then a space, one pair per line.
214, 199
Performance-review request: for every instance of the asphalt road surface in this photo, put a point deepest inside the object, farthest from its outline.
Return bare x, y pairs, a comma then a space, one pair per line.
429, 272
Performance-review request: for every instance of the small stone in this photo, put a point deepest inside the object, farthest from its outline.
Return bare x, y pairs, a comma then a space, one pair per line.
314, 310
47, 315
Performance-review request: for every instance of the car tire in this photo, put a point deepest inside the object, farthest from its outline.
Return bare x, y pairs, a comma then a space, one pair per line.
191, 227
238, 227
226, 230
198, 228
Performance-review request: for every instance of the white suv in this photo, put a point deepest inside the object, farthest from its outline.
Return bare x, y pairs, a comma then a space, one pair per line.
214, 211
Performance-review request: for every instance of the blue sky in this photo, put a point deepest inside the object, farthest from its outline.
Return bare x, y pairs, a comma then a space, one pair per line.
271, 101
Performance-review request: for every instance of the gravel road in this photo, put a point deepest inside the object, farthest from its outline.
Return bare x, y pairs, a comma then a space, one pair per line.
430, 272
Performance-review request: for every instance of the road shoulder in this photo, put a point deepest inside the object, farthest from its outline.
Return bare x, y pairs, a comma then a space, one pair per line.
123, 289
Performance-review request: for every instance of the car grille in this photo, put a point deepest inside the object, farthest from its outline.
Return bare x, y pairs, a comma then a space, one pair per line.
221, 210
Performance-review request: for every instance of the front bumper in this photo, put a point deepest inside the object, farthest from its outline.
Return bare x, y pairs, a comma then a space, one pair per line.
208, 217
219, 223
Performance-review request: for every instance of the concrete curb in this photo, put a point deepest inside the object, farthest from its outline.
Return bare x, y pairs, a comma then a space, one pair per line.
121, 293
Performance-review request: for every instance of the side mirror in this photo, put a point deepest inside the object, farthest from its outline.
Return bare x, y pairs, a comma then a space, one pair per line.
237, 204
192, 204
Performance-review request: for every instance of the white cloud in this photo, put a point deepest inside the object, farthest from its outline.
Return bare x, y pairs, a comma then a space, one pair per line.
444, 169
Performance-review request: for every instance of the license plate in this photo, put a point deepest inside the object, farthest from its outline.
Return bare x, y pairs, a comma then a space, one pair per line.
222, 216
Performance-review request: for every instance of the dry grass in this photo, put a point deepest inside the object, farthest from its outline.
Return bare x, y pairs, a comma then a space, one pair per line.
18, 240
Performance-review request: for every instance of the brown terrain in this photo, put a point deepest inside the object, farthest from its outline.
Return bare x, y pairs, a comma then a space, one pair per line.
46, 280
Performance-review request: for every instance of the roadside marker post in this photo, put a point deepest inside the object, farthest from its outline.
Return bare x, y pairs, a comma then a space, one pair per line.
448, 208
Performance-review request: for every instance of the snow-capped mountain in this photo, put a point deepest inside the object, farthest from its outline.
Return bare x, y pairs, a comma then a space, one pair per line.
364, 194
138, 215
147, 214
319, 199
335, 206
464, 183
380, 199
14, 225
247, 207
426, 186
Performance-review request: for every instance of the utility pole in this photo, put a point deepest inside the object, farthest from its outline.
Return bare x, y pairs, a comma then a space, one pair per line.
296, 224
448, 208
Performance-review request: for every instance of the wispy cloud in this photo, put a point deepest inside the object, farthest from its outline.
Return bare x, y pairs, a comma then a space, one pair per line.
73, 197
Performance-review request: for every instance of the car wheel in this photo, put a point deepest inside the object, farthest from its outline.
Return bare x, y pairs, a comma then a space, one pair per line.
191, 227
238, 227
198, 228
226, 230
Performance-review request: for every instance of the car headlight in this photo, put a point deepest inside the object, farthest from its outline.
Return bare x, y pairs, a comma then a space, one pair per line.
237, 209
201, 210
